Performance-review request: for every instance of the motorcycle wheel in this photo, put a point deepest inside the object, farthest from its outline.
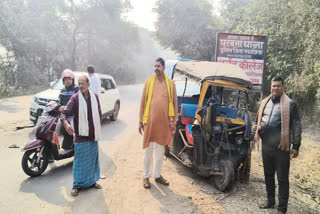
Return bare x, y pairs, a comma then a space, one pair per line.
29, 158
224, 181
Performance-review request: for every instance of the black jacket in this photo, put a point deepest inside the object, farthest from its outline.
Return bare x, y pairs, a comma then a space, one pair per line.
66, 94
270, 128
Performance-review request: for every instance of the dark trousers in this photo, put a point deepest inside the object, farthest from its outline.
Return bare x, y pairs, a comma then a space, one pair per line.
276, 161
67, 142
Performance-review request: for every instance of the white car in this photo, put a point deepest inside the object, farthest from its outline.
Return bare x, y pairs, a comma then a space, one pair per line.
110, 97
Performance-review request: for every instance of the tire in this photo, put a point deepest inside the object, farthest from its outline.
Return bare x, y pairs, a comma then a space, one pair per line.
244, 172
116, 110
224, 181
29, 157
34, 122
167, 151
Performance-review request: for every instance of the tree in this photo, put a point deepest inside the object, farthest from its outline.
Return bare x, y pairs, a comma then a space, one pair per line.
188, 27
34, 33
8, 70
293, 51
46, 37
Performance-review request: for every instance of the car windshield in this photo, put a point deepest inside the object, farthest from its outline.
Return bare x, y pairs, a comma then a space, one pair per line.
58, 85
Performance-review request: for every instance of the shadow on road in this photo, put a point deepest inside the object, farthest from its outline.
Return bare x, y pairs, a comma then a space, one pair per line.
169, 200
107, 166
50, 187
186, 171
55, 185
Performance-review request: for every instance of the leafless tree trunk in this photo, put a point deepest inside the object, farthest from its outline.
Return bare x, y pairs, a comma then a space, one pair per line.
74, 49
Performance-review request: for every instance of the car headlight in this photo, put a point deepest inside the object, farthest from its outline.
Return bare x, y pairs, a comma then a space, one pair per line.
36, 100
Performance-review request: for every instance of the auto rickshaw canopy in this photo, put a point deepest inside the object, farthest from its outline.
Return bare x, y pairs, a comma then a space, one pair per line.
227, 75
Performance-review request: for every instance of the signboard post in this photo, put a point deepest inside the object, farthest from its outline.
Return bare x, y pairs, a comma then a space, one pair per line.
246, 51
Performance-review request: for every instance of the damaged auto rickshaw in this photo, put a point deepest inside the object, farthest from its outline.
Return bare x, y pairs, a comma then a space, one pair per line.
214, 126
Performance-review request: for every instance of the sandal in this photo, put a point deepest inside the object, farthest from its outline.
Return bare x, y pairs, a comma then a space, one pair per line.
146, 183
75, 191
97, 186
162, 181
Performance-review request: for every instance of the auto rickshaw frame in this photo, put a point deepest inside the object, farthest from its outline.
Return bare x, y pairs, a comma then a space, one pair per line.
223, 174
219, 83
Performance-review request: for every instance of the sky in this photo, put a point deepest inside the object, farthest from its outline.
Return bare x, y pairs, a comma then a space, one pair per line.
141, 14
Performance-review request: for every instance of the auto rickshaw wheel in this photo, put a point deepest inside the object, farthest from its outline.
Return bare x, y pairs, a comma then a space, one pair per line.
224, 181
244, 172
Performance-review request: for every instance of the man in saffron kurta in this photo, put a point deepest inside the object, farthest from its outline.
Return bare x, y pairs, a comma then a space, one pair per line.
157, 119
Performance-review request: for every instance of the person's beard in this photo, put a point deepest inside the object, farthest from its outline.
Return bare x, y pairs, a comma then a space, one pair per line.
158, 72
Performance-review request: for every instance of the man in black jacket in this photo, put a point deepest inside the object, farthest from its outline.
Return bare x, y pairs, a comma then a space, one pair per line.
279, 128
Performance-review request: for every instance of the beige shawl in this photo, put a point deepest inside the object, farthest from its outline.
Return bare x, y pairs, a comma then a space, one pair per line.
285, 120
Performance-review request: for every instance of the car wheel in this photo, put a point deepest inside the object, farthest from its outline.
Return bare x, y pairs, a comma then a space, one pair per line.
115, 113
35, 121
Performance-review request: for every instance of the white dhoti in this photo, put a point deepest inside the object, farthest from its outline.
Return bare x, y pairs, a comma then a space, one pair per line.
148, 160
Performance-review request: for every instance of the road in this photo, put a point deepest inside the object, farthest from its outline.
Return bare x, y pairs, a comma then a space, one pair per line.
121, 162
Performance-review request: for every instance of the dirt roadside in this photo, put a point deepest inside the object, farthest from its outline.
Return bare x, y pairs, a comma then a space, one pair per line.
189, 193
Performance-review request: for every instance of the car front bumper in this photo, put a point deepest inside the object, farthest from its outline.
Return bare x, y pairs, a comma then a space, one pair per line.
35, 111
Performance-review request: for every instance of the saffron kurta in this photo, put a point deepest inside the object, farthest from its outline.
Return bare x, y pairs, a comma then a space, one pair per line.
157, 128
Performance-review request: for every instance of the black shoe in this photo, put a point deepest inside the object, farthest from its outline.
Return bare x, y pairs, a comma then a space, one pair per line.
266, 205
